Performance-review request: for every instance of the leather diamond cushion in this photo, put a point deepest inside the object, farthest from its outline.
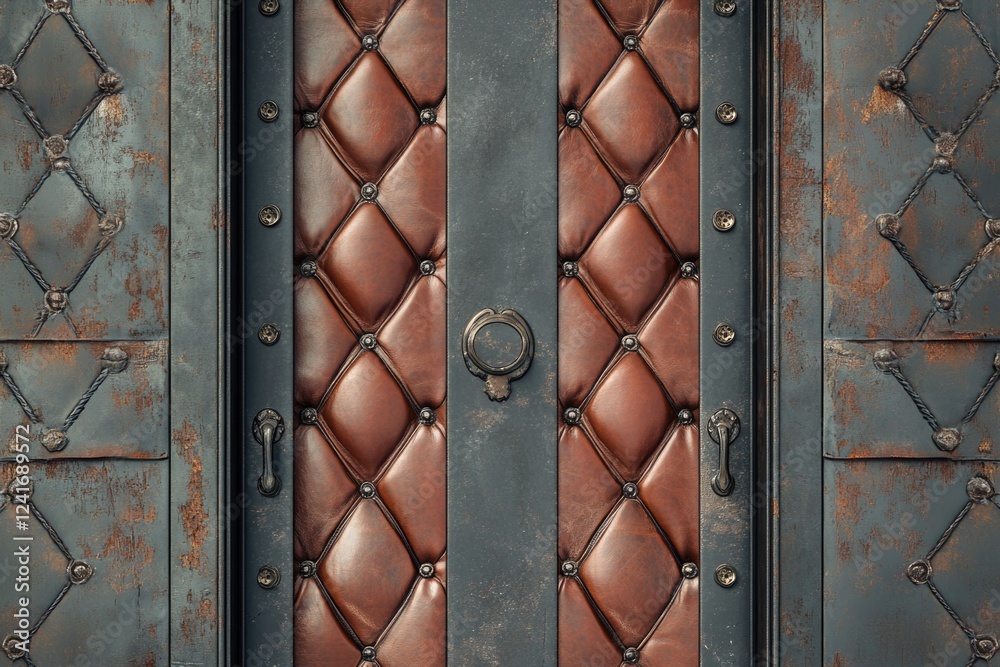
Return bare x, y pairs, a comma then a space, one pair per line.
628, 471
369, 333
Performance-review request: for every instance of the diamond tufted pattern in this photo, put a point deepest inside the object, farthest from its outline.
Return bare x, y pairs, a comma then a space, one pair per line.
628, 471
370, 473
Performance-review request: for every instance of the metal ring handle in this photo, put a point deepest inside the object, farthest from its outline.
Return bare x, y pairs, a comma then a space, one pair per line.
498, 378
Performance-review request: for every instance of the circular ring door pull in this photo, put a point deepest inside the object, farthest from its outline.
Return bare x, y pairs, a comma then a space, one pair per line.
498, 378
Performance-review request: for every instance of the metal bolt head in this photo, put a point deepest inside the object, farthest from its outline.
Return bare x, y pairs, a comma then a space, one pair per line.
892, 78
428, 117
427, 268
948, 439
369, 191
992, 228
725, 575
308, 268
631, 193
574, 118
268, 576
919, 572
368, 653
307, 568
369, 342
631, 656
726, 113
57, 5
310, 119
114, 360
56, 146
268, 333
571, 269
689, 270
79, 572
10, 647
569, 568
54, 440
427, 570
56, 300
110, 225
367, 490
309, 416
427, 416
945, 299
888, 225
8, 226
110, 83
685, 417
688, 120
268, 111
979, 489
886, 360
631, 42
572, 416
689, 570
724, 334
985, 646
723, 220
369, 42
725, 7
630, 343
630, 490
269, 215
8, 77
269, 7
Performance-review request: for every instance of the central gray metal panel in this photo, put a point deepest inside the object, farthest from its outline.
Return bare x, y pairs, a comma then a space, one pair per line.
502, 187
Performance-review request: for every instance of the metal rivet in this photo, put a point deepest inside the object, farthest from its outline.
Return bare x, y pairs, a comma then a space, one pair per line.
725, 7
427, 416
309, 416
114, 360
569, 568
726, 113
307, 568
630, 343
688, 120
945, 299
110, 83
571, 269
724, 334
427, 570
948, 439
368, 653
574, 118
268, 333
79, 572
269, 216
367, 490
369, 341
888, 225
631, 193
54, 440
369, 191
979, 489
56, 300
269, 7
985, 646
308, 268
992, 228
369, 42
11, 646
630, 490
8, 77
61, 164
685, 417
8, 226
950, 5
886, 360
946, 144
689, 270
919, 572
892, 78
572, 416
942, 164
310, 119
631, 656
723, 220
725, 575
110, 225
57, 5
689, 570
428, 117
56, 146
631, 42
427, 268
268, 576
268, 111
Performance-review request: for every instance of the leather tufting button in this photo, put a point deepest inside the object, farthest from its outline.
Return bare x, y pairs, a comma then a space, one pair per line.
368, 653
369, 341
427, 268
427, 570
570, 269
574, 118
427, 416
369, 192
631, 42
630, 343
631, 656
572, 416
689, 270
688, 120
369, 42
631, 193
689, 570
630, 490
309, 416
310, 119
428, 117
569, 568
685, 417
367, 490
307, 269
307, 568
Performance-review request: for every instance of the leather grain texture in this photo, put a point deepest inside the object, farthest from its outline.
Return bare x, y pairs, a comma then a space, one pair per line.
630, 68
369, 92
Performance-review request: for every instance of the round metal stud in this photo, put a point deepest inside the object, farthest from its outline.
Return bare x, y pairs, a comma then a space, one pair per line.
309, 416
269, 7
724, 334
307, 568
369, 341
945, 299
114, 360
886, 360
985, 646
308, 268
54, 440
310, 119
56, 6
631, 656
8, 77
8, 226
631, 193
79, 572
630, 490
268, 111
630, 343
892, 78
723, 220
428, 117
427, 416
427, 570
943, 164
888, 225
269, 216
268, 576
725, 575
570, 269
992, 228
61, 164
685, 417
688, 120
979, 489
950, 5
689, 570
369, 42
725, 7
427, 268
569, 568
574, 118
11, 648
110, 225
268, 333
56, 300
726, 113
946, 144
572, 416
367, 490
919, 572
948, 439
369, 192
56, 146
110, 83
631, 43
368, 653
689, 270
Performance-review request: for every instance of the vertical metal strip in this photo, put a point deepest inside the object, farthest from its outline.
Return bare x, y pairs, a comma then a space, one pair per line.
267, 300
727, 279
502, 214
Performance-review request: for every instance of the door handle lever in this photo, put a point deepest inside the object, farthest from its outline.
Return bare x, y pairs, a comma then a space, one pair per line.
723, 428
268, 427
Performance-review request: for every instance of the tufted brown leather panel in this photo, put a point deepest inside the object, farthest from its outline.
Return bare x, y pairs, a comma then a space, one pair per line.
628, 470
369, 86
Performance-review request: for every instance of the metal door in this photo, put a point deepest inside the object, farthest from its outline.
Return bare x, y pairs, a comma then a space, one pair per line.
884, 283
